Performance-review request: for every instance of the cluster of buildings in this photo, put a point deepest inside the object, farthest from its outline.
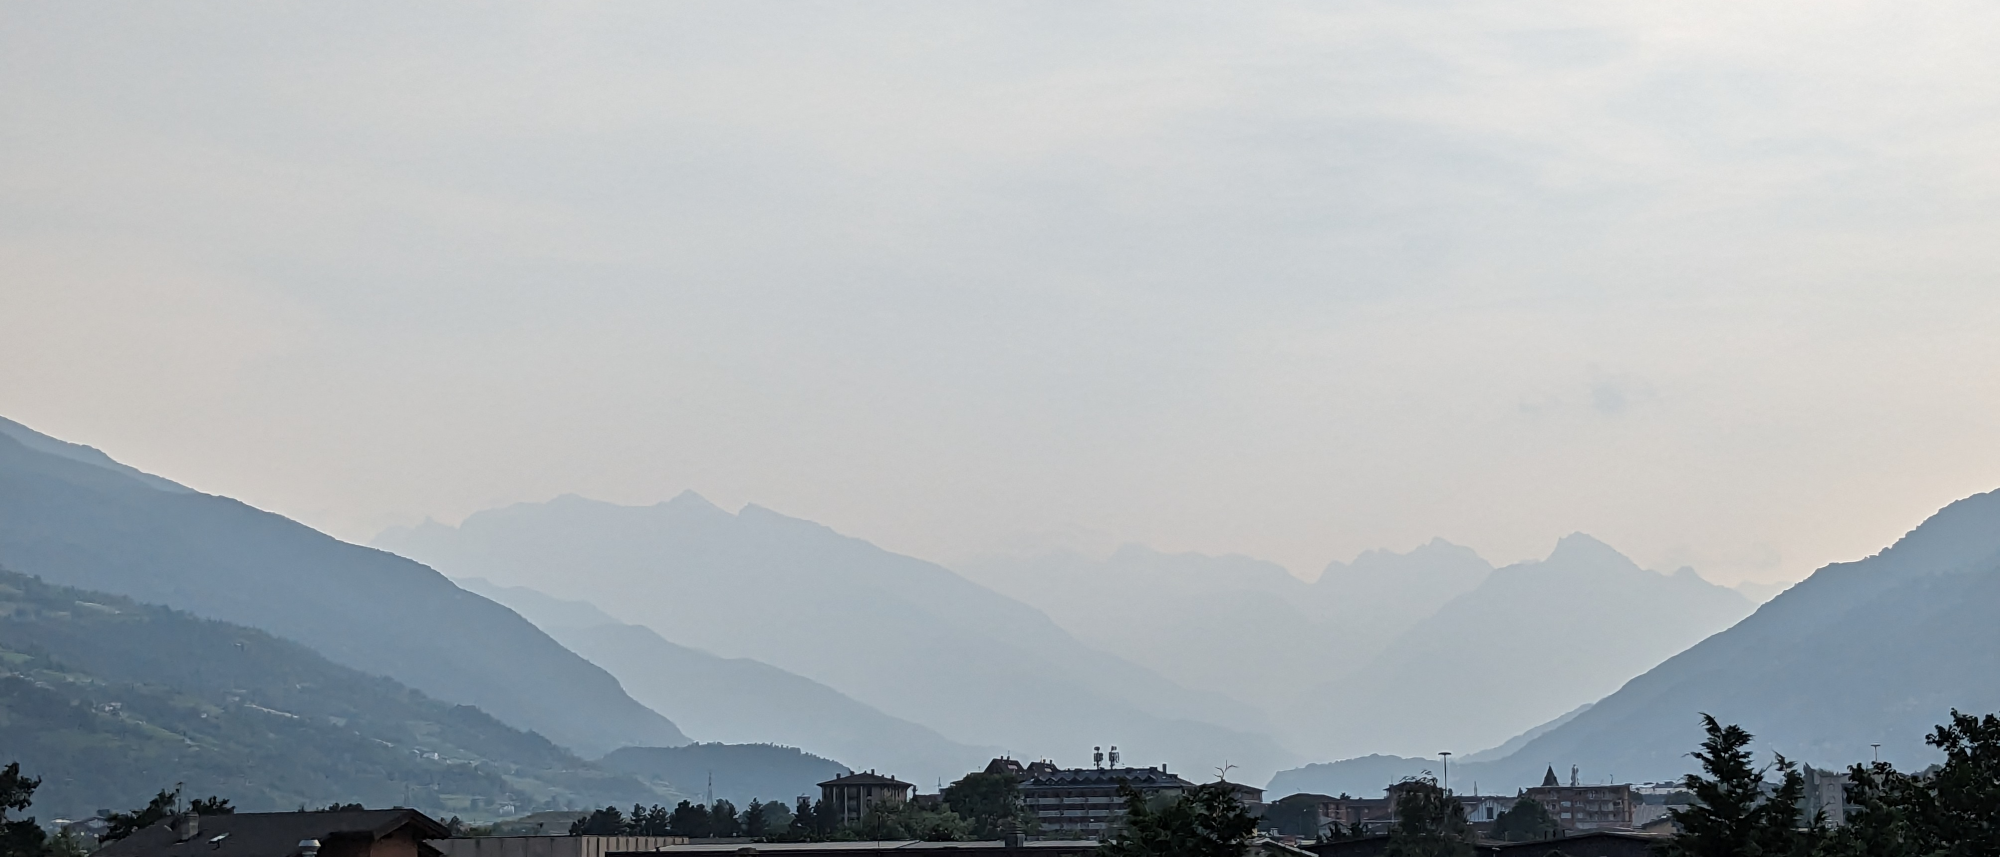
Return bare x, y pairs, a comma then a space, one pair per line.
1066, 803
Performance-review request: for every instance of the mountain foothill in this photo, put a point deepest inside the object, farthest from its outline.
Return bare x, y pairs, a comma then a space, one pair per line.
584, 652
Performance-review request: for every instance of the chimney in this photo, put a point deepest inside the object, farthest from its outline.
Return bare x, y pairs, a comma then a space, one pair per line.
308, 848
187, 826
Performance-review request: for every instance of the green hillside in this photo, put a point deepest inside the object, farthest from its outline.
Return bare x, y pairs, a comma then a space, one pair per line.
109, 700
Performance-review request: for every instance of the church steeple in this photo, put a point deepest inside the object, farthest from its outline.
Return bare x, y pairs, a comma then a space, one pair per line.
1549, 779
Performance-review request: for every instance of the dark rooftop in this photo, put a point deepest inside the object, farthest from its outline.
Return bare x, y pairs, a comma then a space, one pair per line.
1105, 776
272, 834
869, 778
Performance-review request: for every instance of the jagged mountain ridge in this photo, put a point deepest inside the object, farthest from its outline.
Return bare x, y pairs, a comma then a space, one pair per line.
908, 637
1878, 650
1532, 641
738, 700
72, 516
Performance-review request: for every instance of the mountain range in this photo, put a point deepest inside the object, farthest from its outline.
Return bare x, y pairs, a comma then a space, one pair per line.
1391, 651
737, 700
908, 637
71, 515
1874, 651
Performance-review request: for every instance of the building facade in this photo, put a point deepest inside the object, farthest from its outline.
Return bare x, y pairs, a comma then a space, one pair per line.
1083, 803
1583, 807
846, 799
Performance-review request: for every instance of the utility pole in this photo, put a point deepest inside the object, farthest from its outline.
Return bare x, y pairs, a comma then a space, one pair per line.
1446, 755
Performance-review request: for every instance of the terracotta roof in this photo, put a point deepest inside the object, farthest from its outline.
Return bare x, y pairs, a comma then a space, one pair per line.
271, 834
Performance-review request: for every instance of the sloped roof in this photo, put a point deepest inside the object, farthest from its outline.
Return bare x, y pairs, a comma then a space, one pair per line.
866, 779
271, 834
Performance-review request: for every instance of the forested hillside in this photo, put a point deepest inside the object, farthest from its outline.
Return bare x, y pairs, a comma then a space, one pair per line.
109, 701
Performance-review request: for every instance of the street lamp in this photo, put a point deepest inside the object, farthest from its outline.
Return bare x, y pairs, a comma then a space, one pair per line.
1878, 753
1446, 756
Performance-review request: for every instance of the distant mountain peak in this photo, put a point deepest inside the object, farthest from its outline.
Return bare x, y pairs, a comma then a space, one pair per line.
1586, 549
688, 499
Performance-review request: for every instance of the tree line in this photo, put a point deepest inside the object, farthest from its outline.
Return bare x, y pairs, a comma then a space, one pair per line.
977, 806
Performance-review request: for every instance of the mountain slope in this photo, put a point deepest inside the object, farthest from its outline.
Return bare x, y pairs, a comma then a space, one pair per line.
1534, 640
90, 522
1877, 650
738, 700
110, 700
906, 636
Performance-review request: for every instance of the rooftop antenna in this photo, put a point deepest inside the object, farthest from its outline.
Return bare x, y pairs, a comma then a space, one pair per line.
1572, 777
1097, 757
1114, 755
1222, 773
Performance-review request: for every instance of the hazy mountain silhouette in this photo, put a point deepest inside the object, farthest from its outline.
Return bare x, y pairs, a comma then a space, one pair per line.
1237, 625
1534, 640
1873, 651
738, 701
109, 701
73, 516
903, 635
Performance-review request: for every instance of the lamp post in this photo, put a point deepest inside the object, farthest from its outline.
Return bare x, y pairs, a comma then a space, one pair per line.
1878, 753
1446, 756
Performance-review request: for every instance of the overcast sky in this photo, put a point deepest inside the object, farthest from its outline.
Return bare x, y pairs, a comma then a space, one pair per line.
1713, 281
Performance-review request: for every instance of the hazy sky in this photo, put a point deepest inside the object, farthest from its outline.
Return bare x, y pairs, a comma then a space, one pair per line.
1714, 281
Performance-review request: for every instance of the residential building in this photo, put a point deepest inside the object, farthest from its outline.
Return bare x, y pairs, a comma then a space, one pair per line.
850, 797
1579, 806
1083, 803
359, 833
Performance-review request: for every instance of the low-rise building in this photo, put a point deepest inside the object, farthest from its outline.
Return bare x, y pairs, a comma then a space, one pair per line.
848, 798
358, 833
1580, 806
1083, 803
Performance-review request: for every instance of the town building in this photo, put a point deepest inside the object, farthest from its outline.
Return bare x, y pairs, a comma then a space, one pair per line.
848, 798
357, 833
1578, 806
1083, 803
551, 846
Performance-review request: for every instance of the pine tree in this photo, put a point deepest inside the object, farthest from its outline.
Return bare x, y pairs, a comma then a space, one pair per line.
1732, 816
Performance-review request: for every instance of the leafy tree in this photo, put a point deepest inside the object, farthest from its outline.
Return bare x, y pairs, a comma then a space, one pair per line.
777, 819
1429, 822
1208, 821
1952, 810
1732, 815
1525, 821
908, 821
337, 807
987, 801
19, 837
